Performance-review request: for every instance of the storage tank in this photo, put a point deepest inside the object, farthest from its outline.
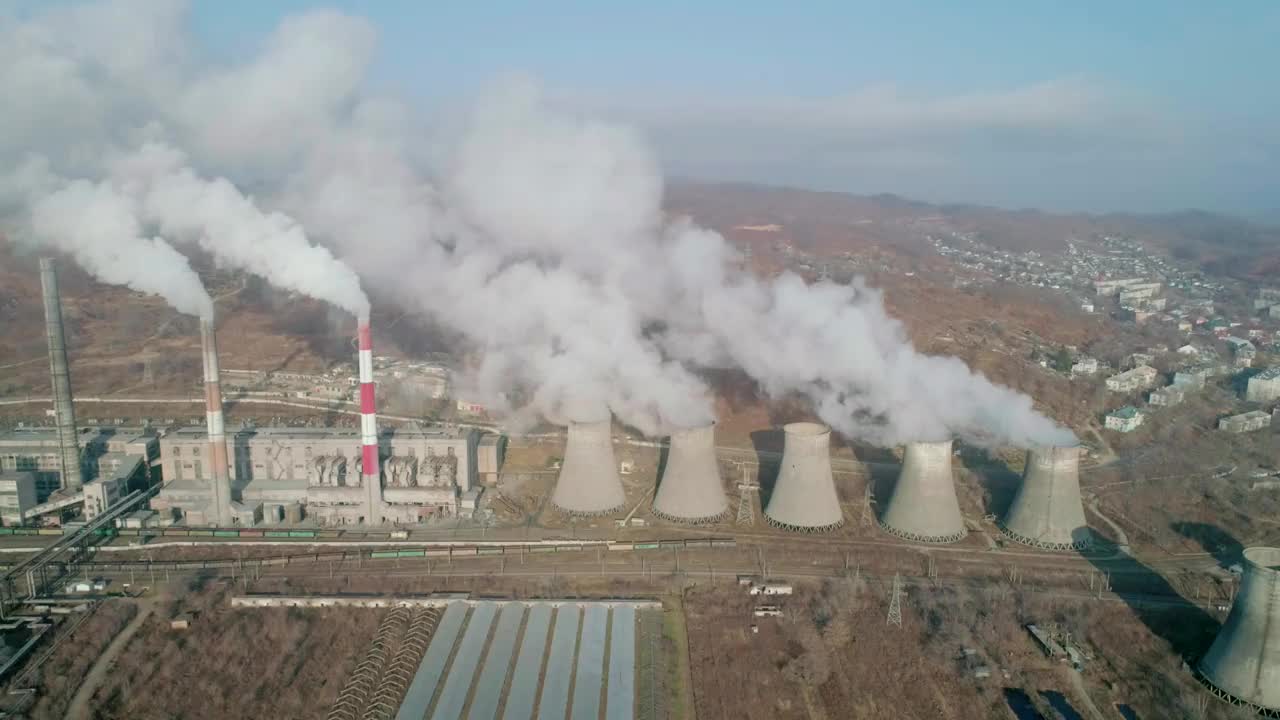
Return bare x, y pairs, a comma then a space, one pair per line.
1047, 512
923, 506
691, 490
1243, 664
804, 497
589, 483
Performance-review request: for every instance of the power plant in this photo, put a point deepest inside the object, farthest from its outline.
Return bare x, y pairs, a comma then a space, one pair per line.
691, 490
1047, 511
72, 477
1243, 664
804, 496
589, 483
923, 506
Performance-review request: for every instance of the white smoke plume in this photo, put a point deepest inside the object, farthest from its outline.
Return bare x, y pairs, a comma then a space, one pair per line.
232, 228
98, 227
537, 235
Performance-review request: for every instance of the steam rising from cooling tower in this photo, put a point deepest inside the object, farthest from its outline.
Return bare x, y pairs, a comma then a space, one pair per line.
1047, 511
72, 471
804, 496
1243, 664
923, 506
691, 489
534, 234
589, 483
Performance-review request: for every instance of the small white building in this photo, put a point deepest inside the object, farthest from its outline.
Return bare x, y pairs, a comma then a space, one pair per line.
1126, 419
1085, 366
1167, 396
1245, 422
1264, 387
1139, 378
771, 588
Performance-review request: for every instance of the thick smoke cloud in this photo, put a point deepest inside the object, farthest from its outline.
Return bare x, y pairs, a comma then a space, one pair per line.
536, 235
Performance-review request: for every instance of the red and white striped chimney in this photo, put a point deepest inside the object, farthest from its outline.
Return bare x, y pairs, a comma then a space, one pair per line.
221, 500
371, 477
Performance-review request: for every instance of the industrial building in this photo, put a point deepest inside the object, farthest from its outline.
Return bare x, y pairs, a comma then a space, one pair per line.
1245, 422
804, 496
1264, 387
1047, 512
691, 490
589, 483
1139, 378
317, 471
923, 506
1243, 664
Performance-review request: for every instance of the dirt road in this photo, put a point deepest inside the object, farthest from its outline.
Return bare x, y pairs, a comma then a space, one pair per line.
80, 708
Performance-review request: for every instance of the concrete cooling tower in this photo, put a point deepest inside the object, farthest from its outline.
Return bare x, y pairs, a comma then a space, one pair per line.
1243, 664
589, 483
804, 497
1047, 511
923, 507
691, 490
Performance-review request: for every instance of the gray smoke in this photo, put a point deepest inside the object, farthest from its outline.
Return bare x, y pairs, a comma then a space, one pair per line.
535, 234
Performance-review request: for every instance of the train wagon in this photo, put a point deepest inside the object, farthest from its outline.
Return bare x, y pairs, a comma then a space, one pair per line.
331, 533
302, 533
622, 546
723, 542
6, 531
384, 554
542, 548
175, 532
251, 533
647, 546
49, 531
669, 544
199, 533
462, 552
272, 561
697, 543
226, 533
277, 533
489, 550
412, 553
438, 552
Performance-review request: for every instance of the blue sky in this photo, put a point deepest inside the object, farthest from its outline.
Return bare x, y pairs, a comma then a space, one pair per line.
1142, 105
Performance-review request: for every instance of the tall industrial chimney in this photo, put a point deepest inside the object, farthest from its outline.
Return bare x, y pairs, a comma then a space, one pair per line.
64, 411
691, 490
804, 497
1243, 664
923, 507
221, 491
589, 482
370, 475
1047, 511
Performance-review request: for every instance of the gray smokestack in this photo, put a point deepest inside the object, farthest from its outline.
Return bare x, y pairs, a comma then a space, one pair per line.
923, 506
1047, 511
691, 490
804, 497
63, 409
589, 483
1243, 664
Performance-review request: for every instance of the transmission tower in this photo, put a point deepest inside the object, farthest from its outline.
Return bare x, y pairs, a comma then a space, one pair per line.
746, 505
895, 603
148, 375
868, 514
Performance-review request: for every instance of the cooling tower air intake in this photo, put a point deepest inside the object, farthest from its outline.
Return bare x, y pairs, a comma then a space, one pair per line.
1047, 511
370, 473
691, 490
221, 492
1243, 664
589, 483
804, 497
923, 507
64, 412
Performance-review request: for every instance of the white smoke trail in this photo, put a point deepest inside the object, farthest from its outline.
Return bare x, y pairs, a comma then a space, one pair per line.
539, 238
233, 229
97, 226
